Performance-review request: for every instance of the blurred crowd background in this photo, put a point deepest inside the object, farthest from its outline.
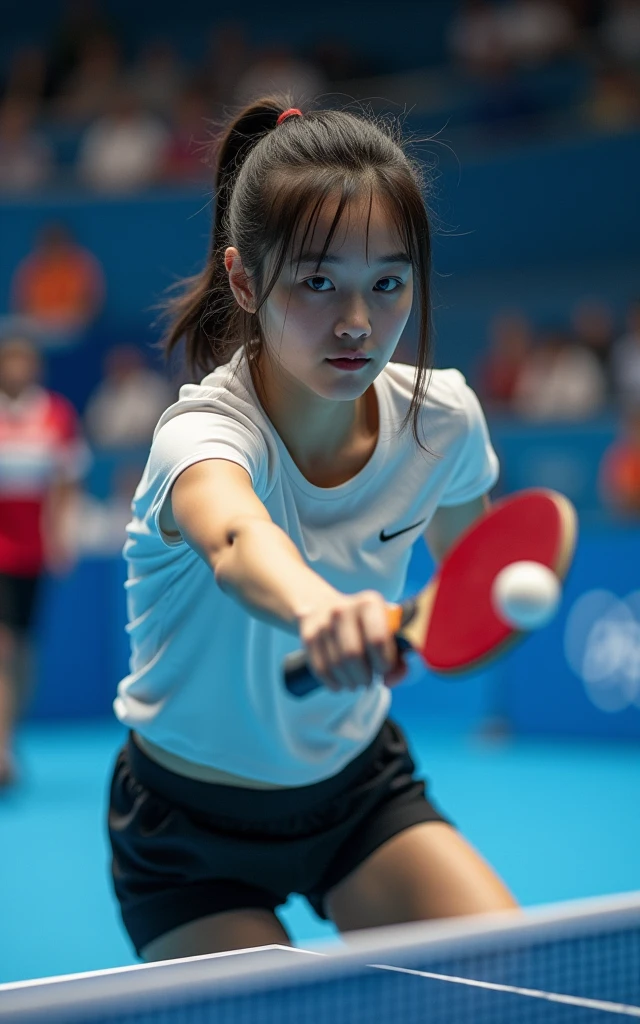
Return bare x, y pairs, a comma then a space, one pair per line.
109, 99
109, 116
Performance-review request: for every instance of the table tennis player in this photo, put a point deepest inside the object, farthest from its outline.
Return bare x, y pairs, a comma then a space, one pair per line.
278, 508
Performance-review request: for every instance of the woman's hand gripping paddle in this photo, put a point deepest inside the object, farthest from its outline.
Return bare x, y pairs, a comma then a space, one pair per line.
452, 623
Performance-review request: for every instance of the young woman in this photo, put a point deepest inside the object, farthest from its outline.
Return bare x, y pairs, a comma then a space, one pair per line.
278, 507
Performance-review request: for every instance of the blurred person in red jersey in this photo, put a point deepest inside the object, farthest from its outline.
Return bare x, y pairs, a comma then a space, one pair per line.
510, 341
60, 285
620, 469
42, 457
125, 407
626, 360
560, 381
124, 150
188, 153
26, 160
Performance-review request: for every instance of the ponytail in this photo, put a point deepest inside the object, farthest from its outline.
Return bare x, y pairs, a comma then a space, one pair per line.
205, 315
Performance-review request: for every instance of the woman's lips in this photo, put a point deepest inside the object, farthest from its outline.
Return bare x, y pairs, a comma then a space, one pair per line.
349, 363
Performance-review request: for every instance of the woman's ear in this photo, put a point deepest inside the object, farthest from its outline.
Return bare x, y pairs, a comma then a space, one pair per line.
239, 281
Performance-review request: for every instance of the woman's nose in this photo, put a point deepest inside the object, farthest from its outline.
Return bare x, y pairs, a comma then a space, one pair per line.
354, 321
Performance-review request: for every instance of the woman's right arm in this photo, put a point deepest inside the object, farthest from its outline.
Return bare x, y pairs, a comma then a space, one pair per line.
215, 509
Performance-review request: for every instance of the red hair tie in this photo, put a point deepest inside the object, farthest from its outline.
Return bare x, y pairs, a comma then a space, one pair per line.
291, 112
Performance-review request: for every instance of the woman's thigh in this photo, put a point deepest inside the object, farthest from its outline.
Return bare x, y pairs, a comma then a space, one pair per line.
218, 933
428, 871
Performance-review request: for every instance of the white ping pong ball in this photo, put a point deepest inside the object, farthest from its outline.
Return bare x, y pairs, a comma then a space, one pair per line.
526, 595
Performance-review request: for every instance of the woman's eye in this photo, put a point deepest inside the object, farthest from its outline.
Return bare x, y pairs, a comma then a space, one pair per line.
388, 284
319, 284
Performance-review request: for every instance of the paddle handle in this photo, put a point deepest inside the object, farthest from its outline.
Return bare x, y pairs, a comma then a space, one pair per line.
298, 678
297, 675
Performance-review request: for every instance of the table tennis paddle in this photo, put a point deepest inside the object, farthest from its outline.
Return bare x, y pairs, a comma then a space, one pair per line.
452, 623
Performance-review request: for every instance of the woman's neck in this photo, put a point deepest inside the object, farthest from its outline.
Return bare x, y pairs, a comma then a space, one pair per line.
327, 440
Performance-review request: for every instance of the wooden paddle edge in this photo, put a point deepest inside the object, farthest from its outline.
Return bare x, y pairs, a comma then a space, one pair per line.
569, 520
416, 629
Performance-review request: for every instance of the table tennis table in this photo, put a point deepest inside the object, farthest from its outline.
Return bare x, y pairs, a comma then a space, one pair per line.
562, 964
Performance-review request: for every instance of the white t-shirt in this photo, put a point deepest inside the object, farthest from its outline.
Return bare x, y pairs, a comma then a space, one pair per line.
205, 678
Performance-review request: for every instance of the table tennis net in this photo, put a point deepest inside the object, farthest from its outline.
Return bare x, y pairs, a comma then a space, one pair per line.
580, 963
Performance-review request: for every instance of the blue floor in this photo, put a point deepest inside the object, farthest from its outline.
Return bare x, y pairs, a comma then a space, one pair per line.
559, 820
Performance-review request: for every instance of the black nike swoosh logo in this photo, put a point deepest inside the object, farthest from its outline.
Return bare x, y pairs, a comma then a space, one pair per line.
390, 536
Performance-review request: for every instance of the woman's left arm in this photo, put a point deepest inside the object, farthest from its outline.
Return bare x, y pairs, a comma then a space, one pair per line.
451, 521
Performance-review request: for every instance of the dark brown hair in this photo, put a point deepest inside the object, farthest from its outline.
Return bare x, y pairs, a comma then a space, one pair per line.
272, 180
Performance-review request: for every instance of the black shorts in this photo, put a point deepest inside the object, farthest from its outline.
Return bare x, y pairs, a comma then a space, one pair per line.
184, 849
18, 595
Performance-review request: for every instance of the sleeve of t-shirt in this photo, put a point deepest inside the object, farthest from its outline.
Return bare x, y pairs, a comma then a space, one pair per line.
476, 466
196, 436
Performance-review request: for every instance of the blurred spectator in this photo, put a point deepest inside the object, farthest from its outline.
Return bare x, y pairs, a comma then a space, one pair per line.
478, 40
594, 328
620, 31
620, 468
227, 58
90, 89
188, 153
338, 62
59, 286
484, 36
278, 72
79, 22
156, 79
559, 381
536, 31
125, 407
614, 101
510, 341
125, 149
475, 36
25, 158
42, 456
626, 361
26, 77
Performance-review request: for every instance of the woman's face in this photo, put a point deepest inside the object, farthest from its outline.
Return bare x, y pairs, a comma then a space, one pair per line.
333, 327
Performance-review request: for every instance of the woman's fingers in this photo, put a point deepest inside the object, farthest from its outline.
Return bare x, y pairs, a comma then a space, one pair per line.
349, 641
